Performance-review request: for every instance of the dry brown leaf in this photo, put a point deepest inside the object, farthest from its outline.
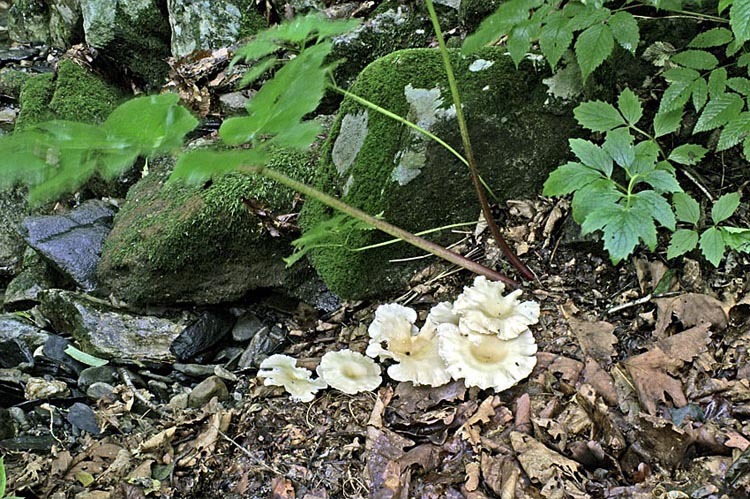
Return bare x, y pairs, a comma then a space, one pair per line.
545, 466
736, 441
605, 430
484, 412
472, 476
649, 274
601, 380
383, 472
650, 370
661, 441
691, 309
281, 488
595, 338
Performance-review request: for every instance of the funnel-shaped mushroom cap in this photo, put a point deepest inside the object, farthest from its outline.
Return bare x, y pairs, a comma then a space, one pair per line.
281, 370
350, 372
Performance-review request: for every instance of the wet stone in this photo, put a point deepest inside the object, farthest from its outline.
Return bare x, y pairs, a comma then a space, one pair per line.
179, 401
261, 346
54, 349
100, 374
206, 390
100, 390
7, 426
19, 337
36, 275
207, 331
83, 418
195, 370
247, 326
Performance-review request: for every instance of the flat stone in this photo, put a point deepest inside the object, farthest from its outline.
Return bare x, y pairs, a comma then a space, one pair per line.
99, 374
100, 390
208, 330
262, 346
206, 390
247, 326
36, 275
83, 418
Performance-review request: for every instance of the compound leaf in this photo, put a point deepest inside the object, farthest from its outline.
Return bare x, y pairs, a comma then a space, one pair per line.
712, 245
593, 47
682, 241
725, 206
719, 111
598, 116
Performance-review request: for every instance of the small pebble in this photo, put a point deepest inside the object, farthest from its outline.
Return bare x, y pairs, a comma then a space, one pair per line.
206, 390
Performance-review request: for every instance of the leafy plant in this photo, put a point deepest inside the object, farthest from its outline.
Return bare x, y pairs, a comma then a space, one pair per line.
3, 482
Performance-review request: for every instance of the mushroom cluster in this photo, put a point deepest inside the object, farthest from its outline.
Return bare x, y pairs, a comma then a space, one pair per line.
483, 338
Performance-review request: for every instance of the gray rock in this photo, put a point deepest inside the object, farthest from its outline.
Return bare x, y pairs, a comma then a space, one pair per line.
179, 401
12, 211
83, 418
208, 330
36, 275
65, 23
54, 349
105, 331
262, 346
233, 102
7, 426
99, 374
19, 338
28, 21
206, 390
194, 370
247, 326
19, 417
159, 388
100, 390
72, 242
203, 24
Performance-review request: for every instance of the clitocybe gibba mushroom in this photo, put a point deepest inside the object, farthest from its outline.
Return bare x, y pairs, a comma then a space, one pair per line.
282, 370
349, 372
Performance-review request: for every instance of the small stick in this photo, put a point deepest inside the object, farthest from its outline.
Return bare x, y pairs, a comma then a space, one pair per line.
125, 377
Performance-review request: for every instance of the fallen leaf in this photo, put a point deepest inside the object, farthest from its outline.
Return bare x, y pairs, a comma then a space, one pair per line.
661, 441
383, 448
281, 488
595, 338
601, 380
472, 476
559, 474
691, 309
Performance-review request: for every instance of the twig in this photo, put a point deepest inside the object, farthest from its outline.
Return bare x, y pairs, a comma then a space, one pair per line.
125, 377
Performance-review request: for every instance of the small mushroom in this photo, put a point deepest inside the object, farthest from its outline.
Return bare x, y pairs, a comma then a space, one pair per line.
482, 308
282, 370
485, 360
349, 372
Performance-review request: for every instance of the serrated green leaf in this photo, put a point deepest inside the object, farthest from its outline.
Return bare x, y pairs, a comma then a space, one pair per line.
658, 207
555, 39
519, 40
592, 155
732, 48
258, 70
675, 96
699, 92
743, 60
199, 165
685, 75
619, 145
498, 24
662, 181
625, 30
740, 85
593, 47
584, 15
666, 123
630, 106
712, 245
299, 136
84, 358
734, 132
688, 154
623, 227
724, 4
593, 196
646, 154
686, 208
717, 82
682, 241
739, 20
695, 59
718, 112
711, 38
736, 239
569, 178
725, 206
598, 116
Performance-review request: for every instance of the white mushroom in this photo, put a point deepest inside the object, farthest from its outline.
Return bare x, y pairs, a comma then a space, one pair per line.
350, 372
419, 361
482, 308
282, 370
393, 324
484, 360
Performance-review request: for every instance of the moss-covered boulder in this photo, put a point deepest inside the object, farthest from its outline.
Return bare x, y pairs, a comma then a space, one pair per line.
378, 165
72, 93
28, 21
173, 243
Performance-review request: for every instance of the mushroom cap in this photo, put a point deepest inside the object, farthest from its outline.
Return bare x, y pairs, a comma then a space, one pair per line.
440, 313
349, 372
282, 370
482, 308
485, 360
422, 364
392, 326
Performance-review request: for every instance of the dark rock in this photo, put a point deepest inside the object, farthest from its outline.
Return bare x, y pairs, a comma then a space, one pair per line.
72, 242
54, 349
100, 390
7, 426
12, 382
83, 418
19, 417
194, 370
207, 331
262, 346
206, 390
105, 331
18, 340
100, 374
159, 388
38, 443
36, 275
246, 327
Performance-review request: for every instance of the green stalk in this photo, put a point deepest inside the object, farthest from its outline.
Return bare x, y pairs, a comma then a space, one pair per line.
382, 225
486, 211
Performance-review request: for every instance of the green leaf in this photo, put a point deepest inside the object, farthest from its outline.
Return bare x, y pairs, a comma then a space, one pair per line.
593, 196
519, 40
593, 47
84, 358
682, 241
498, 24
686, 208
740, 85
684, 75
584, 15
299, 136
717, 82
743, 61
724, 4
258, 70
569, 178
711, 38
734, 132
646, 154
592, 155
619, 145
333, 232
695, 59
737, 239
555, 39
598, 116
699, 92
630, 106
623, 227
739, 20
688, 154
675, 96
666, 123
712, 245
625, 30
199, 165
719, 111
3, 478
661, 181
658, 207
725, 206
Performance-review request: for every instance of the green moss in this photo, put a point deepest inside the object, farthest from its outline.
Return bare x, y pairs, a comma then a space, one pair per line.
252, 21
11, 81
517, 142
82, 96
36, 94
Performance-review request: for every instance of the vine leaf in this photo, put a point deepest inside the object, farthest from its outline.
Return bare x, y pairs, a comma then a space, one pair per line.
593, 47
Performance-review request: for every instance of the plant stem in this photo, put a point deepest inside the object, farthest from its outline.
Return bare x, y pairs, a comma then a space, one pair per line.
486, 211
382, 225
